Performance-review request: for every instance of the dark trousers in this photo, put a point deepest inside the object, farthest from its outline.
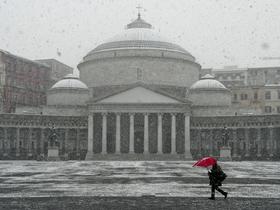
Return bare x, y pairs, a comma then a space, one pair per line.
215, 187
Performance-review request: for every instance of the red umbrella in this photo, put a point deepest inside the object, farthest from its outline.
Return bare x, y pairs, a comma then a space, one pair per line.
205, 162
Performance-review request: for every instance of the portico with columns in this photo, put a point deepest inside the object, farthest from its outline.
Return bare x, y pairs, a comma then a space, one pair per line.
139, 123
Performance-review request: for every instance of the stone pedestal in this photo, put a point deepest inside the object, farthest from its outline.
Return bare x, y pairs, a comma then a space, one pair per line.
89, 155
225, 153
53, 153
188, 156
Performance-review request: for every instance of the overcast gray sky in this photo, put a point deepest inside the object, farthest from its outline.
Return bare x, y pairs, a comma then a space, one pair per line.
216, 32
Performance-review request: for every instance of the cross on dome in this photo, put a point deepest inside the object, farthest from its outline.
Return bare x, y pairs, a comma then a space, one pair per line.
139, 9
139, 22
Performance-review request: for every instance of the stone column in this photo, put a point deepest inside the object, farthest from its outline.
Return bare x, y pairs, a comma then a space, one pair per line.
247, 152
5, 142
159, 134
42, 142
66, 142
173, 133
90, 137
211, 139
271, 142
131, 133
8, 141
1, 143
118, 133
199, 146
275, 139
78, 144
35, 143
29, 141
17, 142
146, 133
104, 133
259, 152
234, 138
187, 138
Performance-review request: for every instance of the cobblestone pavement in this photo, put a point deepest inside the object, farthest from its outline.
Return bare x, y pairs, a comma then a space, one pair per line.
74, 185
134, 179
131, 203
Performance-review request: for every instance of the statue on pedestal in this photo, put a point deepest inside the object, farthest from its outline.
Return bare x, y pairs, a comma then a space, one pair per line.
53, 139
53, 146
225, 150
225, 137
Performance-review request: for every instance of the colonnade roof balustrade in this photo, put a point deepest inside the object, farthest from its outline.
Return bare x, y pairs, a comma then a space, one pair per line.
20, 120
42, 121
236, 121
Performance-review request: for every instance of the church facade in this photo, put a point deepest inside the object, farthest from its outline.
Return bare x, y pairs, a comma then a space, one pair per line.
139, 97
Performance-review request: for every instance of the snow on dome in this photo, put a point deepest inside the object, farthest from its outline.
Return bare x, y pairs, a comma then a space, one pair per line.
208, 82
139, 34
70, 81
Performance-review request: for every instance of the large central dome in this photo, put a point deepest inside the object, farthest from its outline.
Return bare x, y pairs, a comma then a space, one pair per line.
138, 54
139, 34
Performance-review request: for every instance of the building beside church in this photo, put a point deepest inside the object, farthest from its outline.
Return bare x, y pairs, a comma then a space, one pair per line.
254, 90
139, 97
24, 82
58, 69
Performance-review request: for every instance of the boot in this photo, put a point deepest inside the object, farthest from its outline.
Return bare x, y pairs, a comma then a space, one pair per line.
225, 194
222, 192
212, 196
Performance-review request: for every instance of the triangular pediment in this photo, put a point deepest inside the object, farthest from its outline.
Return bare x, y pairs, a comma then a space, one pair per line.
139, 95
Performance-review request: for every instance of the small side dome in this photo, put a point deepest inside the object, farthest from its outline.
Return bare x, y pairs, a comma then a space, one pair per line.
209, 92
69, 91
70, 81
208, 82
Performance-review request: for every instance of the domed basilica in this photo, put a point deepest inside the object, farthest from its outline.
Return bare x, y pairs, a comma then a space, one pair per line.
139, 97
138, 90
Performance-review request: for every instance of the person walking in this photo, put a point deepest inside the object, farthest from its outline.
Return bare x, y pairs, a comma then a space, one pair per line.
216, 177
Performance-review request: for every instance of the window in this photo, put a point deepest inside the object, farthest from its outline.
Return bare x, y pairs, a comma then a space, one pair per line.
278, 94
255, 96
139, 74
254, 73
278, 109
265, 76
267, 95
235, 96
267, 109
244, 96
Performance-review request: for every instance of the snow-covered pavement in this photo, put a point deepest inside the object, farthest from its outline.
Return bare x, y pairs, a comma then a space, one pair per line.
134, 178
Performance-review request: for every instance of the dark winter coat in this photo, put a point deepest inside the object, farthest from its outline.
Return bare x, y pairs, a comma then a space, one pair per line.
216, 175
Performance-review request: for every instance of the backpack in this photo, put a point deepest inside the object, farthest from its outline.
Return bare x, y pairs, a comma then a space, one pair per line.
222, 176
